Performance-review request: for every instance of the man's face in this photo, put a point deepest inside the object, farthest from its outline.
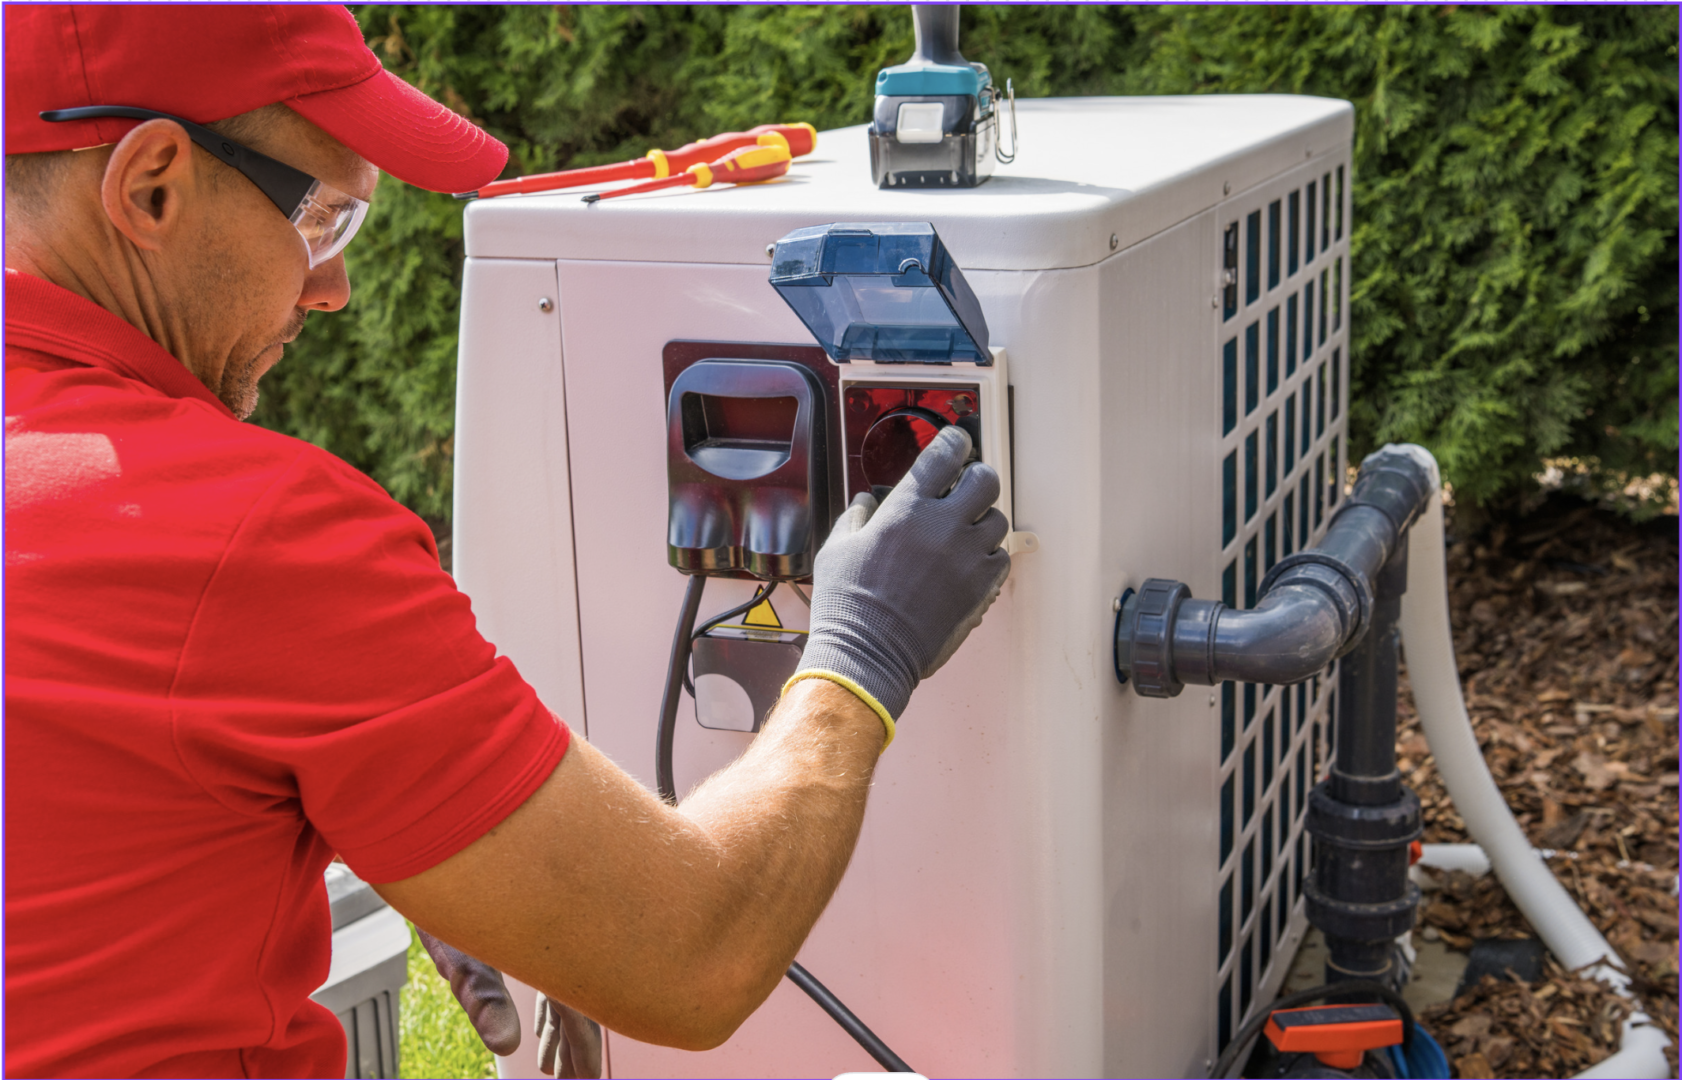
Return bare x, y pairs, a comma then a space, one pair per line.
242, 278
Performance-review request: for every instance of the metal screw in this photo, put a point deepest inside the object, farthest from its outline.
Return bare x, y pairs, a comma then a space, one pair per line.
1215, 301
1226, 188
1115, 241
1211, 701
770, 249
963, 404
1115, 605
544, 304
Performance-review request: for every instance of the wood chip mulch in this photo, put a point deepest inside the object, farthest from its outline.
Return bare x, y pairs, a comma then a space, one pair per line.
1565, 629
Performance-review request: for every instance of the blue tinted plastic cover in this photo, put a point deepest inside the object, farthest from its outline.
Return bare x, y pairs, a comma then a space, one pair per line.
886, 292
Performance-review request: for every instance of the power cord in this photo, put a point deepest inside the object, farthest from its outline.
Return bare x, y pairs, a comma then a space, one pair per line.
677, 679
851, 1024
760, 595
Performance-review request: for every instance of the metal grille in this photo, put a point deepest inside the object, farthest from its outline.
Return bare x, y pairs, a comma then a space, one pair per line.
1281, 350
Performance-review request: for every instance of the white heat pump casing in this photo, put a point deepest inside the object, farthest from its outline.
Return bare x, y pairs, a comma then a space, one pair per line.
1037, 887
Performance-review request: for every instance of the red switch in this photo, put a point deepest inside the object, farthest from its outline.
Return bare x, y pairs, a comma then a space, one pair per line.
1338, 1035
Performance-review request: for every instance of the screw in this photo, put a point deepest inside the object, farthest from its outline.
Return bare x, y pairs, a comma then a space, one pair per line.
1115, 605
963, 404
544, 304
1115, 241
1226, 188
1215, 301
770, 249
1211, 701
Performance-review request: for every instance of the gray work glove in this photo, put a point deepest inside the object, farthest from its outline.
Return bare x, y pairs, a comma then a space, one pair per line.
569, 1044
897, 588
482, 994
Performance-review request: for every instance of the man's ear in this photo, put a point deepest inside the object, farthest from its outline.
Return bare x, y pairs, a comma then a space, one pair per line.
147, 181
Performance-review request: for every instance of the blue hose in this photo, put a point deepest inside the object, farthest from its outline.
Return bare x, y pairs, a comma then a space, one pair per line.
1424, 1059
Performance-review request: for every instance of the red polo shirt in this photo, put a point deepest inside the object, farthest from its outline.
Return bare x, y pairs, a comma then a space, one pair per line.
228, 656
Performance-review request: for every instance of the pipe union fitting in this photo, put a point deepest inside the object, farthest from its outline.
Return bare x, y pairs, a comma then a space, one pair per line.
1143, 637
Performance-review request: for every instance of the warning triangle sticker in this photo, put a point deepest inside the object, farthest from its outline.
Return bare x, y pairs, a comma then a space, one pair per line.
763, 615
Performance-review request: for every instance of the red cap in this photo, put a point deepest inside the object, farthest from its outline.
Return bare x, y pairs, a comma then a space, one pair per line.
207, 62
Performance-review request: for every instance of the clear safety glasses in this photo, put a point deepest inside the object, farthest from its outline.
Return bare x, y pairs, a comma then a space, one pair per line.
325, 217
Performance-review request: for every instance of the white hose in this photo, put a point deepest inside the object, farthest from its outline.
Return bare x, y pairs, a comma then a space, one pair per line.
1435, 678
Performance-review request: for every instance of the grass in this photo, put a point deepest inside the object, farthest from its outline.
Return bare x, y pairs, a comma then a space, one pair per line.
435, 1037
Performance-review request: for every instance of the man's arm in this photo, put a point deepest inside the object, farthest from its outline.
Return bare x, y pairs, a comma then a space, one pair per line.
667, 925
672, 926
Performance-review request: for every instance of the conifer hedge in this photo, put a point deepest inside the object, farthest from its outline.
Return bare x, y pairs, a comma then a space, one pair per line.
1515, 191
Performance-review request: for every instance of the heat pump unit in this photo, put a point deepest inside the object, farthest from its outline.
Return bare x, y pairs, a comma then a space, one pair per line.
1056, 877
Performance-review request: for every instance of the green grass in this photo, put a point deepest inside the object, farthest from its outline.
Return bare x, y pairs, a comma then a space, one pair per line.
436, 1038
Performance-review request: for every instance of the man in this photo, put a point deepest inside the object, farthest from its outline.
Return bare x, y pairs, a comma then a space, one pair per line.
231, 657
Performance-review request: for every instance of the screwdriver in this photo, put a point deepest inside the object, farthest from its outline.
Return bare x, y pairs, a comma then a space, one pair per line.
800, 139
748, 165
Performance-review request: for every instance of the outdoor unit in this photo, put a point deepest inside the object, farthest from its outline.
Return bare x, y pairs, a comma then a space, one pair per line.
1056, 877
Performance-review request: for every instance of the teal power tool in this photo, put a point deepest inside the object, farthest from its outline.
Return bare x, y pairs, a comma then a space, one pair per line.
937, 114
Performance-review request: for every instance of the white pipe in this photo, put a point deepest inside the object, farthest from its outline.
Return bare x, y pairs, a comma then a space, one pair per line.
1435, 679
1467, 857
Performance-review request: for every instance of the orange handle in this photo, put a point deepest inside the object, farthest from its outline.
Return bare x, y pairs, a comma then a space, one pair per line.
745, 165
752, 164
800, 138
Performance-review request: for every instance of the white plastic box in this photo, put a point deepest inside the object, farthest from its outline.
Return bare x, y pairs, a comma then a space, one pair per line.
1055, 877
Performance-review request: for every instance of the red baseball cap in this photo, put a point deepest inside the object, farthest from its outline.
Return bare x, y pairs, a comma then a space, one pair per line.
207, 62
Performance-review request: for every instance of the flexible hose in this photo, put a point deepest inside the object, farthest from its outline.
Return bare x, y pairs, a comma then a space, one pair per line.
677, 671
677, 668
851, 1024
1567, 932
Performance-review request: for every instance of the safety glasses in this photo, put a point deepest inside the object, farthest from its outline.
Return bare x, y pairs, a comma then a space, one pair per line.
324, 216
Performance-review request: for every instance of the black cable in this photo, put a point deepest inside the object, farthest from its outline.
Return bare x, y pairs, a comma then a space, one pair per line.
851, 1024
759, 596
677, 676
1240, 1041
677, 671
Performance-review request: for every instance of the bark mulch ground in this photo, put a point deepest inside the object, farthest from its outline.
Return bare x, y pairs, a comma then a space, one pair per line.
1565, 628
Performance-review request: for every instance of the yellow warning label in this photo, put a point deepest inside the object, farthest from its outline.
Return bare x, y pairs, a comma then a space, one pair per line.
763, 614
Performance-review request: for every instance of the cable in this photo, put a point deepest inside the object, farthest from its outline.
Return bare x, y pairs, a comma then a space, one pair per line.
677, 676
677, 672
1240, 1041
851, 1024
759, 596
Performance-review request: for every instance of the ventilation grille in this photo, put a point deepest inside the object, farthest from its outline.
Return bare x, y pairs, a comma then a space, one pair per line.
1282, 352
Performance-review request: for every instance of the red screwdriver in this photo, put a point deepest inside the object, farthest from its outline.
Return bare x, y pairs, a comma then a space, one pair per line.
748, 165
800, 138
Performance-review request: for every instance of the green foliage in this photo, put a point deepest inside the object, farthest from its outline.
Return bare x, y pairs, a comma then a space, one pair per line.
1514, 248
435, 1036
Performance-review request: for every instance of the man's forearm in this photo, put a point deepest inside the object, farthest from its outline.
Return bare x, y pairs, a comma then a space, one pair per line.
666, 925
786, 817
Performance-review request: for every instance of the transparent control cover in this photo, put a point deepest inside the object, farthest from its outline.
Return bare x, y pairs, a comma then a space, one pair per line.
885, 292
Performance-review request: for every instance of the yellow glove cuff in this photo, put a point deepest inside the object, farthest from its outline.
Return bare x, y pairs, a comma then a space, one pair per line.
858, 691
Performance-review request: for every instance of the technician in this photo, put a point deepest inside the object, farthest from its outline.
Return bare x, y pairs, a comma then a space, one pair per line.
231, 656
